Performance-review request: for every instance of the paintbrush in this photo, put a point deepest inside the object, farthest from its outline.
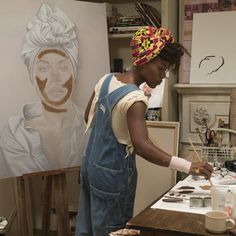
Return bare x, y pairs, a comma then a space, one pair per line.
198, 157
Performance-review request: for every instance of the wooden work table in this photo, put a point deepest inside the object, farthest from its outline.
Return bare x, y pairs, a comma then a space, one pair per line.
167, 220
153, 222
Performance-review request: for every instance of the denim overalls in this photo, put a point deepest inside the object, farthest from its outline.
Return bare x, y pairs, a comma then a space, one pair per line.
108, 177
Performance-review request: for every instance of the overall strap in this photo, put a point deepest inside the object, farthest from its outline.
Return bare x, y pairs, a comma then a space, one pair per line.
105, 86
117, 94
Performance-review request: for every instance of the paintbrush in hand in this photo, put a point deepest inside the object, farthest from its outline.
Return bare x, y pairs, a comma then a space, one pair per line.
198, 157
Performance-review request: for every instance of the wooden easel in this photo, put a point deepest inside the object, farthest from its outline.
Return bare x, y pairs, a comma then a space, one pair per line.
55, 183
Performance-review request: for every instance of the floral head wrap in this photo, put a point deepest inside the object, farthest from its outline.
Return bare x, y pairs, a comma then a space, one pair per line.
50, 28
147, 43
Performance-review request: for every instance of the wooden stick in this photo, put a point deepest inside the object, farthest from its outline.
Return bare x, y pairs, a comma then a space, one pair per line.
195, 151
198, 157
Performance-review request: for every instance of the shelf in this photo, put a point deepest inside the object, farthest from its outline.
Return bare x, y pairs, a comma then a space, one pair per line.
119, 45
121, 36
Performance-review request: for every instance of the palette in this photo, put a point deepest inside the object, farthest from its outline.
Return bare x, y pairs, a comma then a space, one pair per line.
205, 187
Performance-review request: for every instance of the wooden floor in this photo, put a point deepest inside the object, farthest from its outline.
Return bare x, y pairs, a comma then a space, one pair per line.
38, 233
52, 233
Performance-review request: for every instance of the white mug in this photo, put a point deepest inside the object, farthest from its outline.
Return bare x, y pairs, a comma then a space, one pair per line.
218, 222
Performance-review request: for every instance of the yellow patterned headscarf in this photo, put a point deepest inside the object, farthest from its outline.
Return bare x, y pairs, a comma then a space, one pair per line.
147, 43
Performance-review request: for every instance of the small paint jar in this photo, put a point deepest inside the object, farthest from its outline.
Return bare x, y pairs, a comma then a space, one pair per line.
196, 202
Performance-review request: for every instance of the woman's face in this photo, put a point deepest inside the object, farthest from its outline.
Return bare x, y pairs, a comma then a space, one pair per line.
52, 75
153, 72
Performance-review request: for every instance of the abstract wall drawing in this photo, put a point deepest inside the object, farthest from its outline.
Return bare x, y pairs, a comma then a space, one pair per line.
213, 52
211, 64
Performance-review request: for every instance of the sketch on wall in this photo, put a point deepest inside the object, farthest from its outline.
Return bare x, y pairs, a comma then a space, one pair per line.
48, 133
213, 52
211, 64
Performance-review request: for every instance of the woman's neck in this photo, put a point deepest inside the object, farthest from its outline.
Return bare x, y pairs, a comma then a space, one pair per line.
130, 77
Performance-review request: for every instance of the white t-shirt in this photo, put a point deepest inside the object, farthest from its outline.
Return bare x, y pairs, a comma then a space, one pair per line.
119, 113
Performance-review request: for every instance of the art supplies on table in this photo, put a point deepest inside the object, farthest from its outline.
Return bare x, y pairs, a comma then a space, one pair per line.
196, 195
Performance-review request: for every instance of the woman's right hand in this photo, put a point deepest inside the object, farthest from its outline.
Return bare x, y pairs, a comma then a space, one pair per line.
201, 169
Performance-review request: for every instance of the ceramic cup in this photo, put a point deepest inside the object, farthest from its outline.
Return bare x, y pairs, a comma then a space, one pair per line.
218, 222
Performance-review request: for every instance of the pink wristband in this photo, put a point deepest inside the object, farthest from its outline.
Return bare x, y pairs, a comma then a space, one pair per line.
180, 164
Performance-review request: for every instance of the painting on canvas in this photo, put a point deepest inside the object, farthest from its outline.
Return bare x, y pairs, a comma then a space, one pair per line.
213, 48
46, 78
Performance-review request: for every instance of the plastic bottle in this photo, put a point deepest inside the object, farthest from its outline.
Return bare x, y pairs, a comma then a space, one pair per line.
229, 203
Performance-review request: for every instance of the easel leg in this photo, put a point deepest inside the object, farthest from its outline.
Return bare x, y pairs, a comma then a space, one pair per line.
20, 205
61, 204
24, 213
47, 197
28, 207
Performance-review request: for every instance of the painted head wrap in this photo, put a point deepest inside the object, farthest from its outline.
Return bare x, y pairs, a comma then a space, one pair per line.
147, 43
50, 28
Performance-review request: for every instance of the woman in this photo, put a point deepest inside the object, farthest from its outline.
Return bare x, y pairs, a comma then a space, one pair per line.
116, 115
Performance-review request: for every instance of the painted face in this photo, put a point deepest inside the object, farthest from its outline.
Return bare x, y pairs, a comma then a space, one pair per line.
154, 71
53, 77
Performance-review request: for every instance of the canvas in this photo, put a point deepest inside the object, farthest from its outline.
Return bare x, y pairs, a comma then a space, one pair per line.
165, 135
43, 126
213, 52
